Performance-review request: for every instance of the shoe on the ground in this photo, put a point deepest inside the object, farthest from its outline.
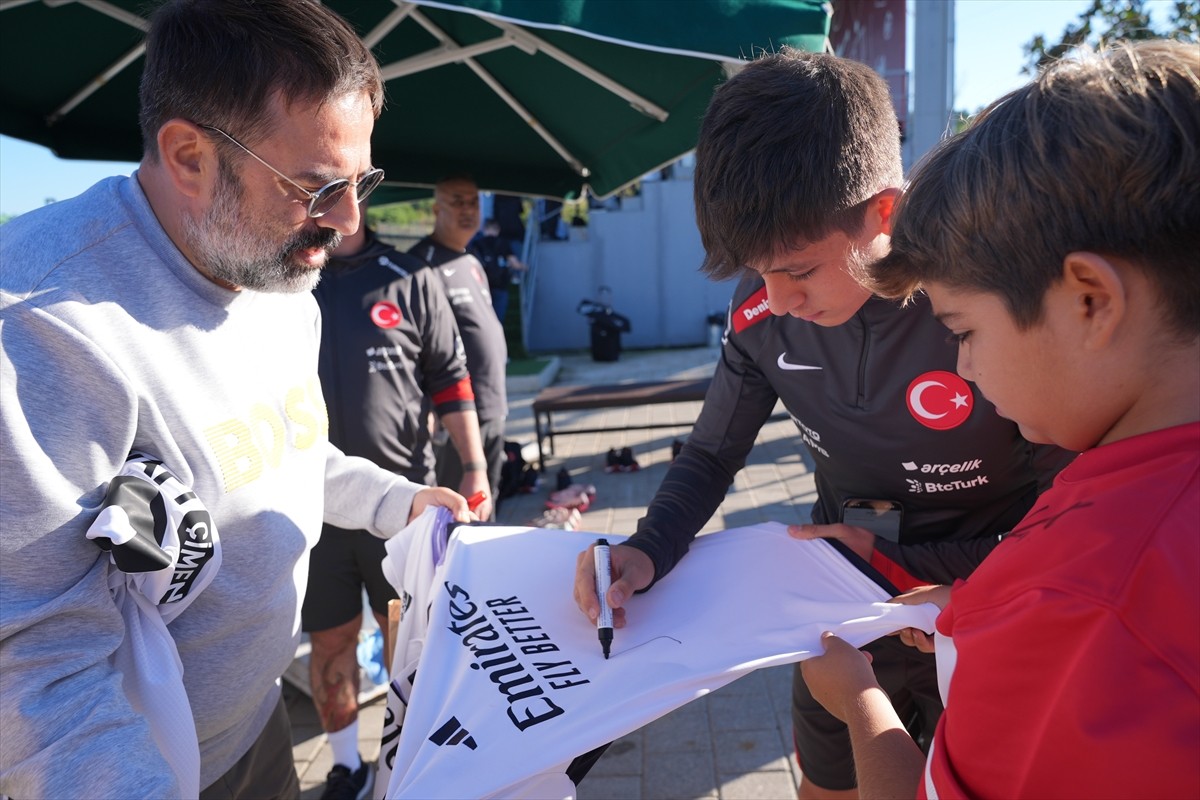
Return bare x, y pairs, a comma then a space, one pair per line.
576, 495
612, 462
563, 479
530, 481
567, 519
626, 462
342, 784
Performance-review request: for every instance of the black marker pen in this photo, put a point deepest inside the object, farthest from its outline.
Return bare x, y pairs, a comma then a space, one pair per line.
604, 622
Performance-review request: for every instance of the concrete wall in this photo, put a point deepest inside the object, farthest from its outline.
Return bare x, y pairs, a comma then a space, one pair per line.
932, 80
649, 253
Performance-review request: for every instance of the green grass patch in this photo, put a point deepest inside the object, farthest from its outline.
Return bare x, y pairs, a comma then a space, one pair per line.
526, 366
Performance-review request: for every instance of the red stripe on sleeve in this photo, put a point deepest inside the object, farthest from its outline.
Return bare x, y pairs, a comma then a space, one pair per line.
894, 572
459, 391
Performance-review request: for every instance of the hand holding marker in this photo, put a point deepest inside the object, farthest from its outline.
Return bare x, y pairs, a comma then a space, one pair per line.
604, 622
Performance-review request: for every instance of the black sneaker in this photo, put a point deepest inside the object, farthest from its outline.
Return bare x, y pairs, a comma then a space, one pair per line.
626, 462
530, 481
562, 480
342, 784
612, 463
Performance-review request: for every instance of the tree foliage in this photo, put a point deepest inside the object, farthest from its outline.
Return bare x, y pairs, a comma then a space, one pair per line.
416, 212
1113, 20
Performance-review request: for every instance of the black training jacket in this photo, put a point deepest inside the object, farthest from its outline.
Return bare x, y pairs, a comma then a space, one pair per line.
884, 416
389, 349
466, 287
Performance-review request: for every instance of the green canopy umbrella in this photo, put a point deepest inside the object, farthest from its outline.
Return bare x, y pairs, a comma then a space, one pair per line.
538, 97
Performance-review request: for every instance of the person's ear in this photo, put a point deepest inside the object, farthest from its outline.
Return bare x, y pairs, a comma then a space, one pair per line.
188, 157
1098, 296
880, 208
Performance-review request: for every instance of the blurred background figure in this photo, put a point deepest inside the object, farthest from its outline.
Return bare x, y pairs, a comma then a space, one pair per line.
390, 351
499, 261
456, 221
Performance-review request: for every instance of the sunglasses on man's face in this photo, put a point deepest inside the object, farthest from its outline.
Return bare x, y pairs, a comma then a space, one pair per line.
325, 199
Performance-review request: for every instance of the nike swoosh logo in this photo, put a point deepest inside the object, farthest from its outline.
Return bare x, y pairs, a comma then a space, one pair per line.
784, 364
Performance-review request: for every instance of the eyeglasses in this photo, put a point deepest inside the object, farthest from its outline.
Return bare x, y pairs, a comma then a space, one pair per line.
323, 200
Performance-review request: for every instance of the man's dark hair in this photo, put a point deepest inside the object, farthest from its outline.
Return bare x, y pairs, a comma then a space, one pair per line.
454, 177
220, 63
790, 149
1100, 153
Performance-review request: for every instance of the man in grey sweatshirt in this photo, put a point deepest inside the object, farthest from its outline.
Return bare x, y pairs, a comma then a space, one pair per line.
171, 313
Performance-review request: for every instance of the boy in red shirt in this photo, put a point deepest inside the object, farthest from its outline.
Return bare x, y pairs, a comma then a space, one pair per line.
1057, 239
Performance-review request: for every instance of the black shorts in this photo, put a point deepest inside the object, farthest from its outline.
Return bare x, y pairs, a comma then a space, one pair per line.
341, 564
266, 770
823, 743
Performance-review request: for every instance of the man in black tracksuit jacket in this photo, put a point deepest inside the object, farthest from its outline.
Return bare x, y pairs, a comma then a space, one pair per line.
797, 169
456, 220
390, 353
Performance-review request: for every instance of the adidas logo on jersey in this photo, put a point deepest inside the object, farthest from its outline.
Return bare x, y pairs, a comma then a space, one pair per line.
453, 733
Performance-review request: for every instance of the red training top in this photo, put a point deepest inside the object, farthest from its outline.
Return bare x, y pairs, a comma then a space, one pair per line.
1078, 638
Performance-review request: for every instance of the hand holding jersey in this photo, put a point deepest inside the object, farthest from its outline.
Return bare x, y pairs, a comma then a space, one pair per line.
860, 540
939, 596
845, 671
440, 496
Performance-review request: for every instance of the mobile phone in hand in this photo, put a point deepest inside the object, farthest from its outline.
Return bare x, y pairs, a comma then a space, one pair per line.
881, 517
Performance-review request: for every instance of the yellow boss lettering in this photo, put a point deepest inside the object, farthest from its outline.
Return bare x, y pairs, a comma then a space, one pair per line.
306, 408
243, 448
268, 432
239, 458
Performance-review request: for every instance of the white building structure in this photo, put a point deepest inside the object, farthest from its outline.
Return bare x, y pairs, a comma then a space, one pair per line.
648, 253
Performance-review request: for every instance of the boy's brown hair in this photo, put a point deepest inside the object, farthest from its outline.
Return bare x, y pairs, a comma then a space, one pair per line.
789, 150
1098, 154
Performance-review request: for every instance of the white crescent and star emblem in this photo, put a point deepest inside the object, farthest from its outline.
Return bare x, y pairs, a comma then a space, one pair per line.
386, 314
940, 400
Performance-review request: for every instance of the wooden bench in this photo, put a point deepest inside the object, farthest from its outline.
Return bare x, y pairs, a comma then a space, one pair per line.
621, 395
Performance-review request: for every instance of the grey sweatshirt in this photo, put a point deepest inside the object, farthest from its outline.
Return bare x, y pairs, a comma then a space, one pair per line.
110, 341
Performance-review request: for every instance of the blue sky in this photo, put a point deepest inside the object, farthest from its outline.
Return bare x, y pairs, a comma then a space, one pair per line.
988, 59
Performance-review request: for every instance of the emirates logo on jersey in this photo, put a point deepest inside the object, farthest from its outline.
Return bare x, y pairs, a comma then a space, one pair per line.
386, 314
940, 400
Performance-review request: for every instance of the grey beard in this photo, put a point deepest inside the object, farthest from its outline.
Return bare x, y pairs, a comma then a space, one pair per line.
247, 260
241, 262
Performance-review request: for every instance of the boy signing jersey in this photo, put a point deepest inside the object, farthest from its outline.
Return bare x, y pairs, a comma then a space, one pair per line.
883, 415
